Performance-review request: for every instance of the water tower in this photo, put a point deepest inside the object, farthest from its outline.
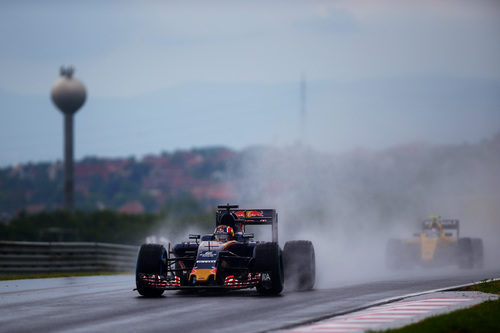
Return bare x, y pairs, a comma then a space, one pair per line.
68, 94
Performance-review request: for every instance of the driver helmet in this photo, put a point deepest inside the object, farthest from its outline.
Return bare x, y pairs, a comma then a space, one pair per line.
223, 233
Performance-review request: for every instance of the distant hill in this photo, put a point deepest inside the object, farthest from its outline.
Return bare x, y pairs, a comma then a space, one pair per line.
403, 183
124, 184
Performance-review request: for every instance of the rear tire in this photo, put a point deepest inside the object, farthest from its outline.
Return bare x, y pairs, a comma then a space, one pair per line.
478, 252
268, 261
300, 265
150, 261
465, 253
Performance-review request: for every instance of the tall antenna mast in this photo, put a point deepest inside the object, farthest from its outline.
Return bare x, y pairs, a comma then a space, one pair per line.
302, 108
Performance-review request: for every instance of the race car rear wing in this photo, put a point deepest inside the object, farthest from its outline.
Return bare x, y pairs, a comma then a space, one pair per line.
451, 227
250, 217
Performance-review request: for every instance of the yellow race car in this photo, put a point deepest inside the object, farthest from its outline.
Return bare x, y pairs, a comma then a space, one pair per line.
438, 244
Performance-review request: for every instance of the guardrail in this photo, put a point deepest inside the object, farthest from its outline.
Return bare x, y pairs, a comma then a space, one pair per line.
55, 257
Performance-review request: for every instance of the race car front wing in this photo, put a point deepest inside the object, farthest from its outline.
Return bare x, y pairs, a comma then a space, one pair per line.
174, 283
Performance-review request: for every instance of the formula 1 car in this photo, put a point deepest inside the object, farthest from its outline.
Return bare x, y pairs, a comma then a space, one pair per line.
438, 244
228, 258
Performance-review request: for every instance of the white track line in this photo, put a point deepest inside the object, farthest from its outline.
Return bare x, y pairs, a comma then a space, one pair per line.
382, 314
389, 303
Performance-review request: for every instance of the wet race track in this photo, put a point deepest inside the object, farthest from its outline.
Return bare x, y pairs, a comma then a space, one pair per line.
108, 304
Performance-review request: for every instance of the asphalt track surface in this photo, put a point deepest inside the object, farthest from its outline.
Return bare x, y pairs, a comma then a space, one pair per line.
108, 304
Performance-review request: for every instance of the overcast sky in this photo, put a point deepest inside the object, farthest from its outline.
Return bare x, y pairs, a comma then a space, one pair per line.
164, 75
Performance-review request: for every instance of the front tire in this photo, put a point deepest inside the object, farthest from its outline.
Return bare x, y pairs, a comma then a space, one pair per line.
401, 255
465, 253
150, 261
268, 261
300, 265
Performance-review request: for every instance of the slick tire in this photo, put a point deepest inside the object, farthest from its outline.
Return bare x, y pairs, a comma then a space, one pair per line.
149, 261
478, 252
299, 265
269, 262
465, 253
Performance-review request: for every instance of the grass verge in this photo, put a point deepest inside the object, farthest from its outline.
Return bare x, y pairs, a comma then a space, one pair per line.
483, 317
56, 275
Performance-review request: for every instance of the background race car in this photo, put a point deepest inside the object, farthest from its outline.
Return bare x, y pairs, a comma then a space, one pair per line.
438, 244
228, 258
